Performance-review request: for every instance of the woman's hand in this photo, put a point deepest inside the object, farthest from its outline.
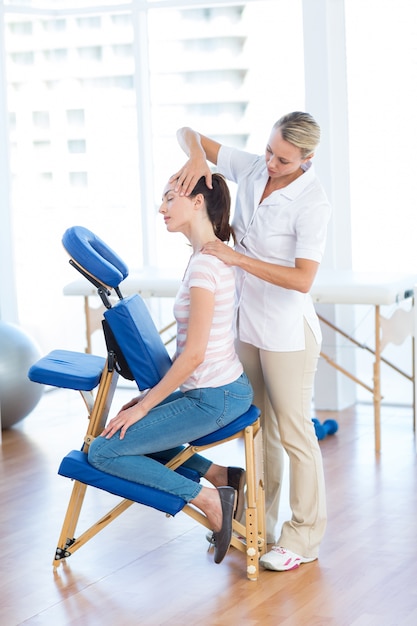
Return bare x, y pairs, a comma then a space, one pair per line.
222, 251
131, 402
129, 414
190, 173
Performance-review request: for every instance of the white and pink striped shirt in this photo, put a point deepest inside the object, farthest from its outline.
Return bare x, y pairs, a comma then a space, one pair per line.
221, 364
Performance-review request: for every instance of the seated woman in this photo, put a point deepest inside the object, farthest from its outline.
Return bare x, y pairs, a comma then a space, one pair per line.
205, 388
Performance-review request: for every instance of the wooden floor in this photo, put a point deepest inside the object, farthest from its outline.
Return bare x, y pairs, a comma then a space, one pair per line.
146, 569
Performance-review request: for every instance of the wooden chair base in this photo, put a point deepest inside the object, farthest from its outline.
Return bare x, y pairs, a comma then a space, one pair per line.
248, 537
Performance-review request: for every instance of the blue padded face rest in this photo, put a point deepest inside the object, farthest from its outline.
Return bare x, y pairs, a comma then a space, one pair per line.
139, 340
76, 466
95, 256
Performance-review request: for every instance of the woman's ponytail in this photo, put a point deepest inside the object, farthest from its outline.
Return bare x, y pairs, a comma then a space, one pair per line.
218, 203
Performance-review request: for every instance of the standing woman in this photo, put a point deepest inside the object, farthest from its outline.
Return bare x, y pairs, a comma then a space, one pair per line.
280, 224
205, 388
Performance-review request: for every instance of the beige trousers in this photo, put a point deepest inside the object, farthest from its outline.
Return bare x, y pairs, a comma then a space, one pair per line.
283, 388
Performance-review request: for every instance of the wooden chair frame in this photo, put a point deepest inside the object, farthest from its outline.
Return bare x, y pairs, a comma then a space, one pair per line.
248, 537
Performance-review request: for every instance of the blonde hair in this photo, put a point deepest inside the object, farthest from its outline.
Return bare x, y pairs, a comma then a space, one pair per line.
300, 129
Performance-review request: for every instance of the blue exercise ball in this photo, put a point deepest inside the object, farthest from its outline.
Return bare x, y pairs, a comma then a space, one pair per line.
18, 394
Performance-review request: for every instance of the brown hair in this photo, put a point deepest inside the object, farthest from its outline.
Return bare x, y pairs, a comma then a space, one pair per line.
217, 204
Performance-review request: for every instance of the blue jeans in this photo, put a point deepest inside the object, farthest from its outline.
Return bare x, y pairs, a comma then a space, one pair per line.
181, 418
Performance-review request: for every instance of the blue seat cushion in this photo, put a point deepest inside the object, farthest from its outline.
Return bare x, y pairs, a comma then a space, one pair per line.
94, 255
70, 370
240, 423
75, 465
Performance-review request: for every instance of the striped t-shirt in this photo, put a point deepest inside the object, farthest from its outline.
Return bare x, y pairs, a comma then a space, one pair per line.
221, 364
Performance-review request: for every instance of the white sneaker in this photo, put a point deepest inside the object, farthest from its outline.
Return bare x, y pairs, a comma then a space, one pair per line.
280, 559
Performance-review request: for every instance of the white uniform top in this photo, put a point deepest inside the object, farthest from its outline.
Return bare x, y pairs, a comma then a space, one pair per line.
291, 223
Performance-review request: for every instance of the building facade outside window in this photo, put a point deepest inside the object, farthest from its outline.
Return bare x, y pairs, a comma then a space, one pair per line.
75, 84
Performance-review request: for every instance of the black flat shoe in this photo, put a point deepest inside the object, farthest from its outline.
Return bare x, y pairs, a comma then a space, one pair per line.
223, 538
236, 478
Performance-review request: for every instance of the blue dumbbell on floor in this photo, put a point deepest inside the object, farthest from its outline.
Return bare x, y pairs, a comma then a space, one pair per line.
329, 427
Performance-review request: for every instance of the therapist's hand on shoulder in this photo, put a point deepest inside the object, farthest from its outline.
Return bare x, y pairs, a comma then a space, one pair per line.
222, 251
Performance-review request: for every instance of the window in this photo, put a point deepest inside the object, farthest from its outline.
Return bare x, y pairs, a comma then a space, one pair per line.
58, 55
12, 121
21, 28
76, 83
54, 26
87, 23
123, 50
78, 179
121, 19
22, 58
41, 119
76, 146
76, 118
208, 70
41, 146
90, 53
